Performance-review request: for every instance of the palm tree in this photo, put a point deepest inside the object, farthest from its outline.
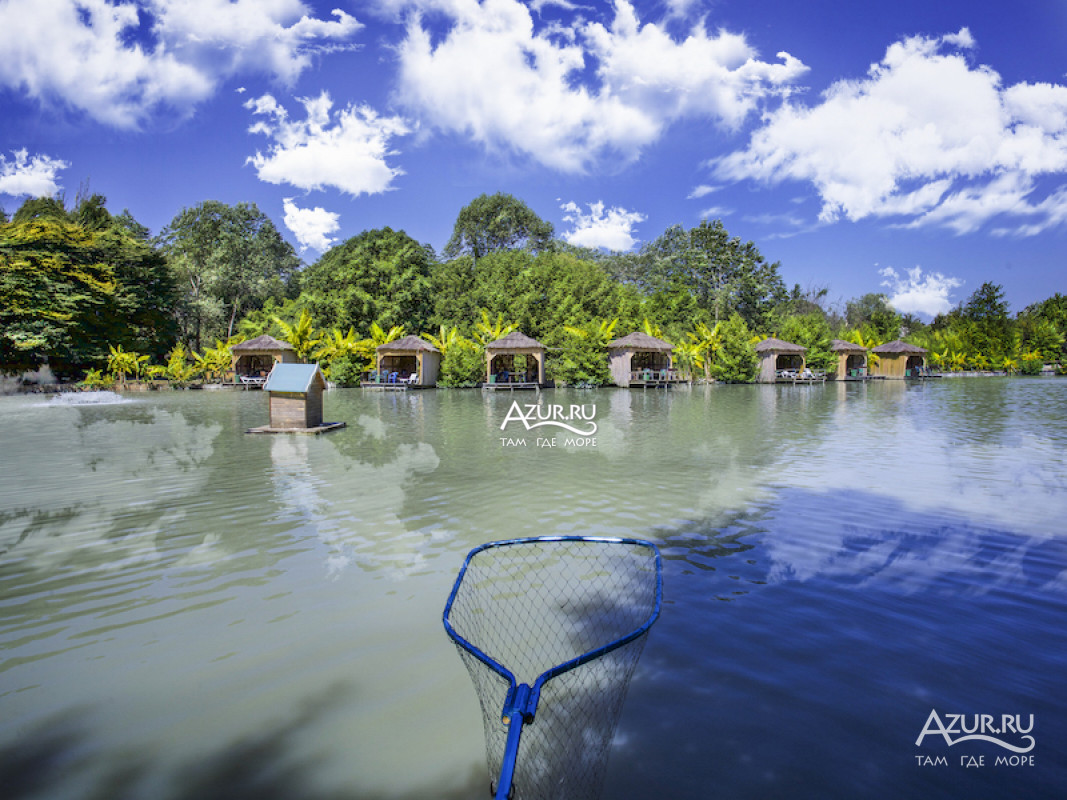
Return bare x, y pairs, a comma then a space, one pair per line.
603, 334
690, 356
333, 345
443, 341
122, 362
488, 331
216, 360
708, 342
301, 335
652, 329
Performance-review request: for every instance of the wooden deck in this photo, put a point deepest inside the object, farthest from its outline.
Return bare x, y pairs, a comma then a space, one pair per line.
799, 378
511, 386
325, 427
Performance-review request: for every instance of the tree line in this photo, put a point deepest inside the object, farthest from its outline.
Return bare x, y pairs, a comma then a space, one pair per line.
87, 291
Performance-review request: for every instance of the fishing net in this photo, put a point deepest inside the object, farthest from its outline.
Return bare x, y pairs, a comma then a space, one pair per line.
550, 630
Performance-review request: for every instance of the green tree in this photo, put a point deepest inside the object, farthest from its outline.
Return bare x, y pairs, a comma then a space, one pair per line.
1043, 327
990, 332
490, 223
301, 334
74, 282
227, 260
490, 330
580, 358
463, 365
723, 274
333, 346
380, 276
873, 315
54, 285
124, 364
737, 361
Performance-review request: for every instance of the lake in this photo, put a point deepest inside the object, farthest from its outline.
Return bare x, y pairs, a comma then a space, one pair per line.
189, 611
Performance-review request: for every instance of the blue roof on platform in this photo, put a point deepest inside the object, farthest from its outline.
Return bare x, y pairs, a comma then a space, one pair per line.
293, 378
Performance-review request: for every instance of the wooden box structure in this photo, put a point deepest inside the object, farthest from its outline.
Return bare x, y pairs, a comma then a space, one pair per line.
898, 359
295, 392
776, 356
500, 370
638, 359
851, 360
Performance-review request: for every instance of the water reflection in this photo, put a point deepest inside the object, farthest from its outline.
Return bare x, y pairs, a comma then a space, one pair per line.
96, 484
354, 505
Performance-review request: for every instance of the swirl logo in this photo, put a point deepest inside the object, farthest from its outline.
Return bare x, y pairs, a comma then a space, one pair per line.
980, 727
559, 416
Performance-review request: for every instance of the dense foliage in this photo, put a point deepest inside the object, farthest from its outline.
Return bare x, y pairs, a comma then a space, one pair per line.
88, 291
74, 282
228, 260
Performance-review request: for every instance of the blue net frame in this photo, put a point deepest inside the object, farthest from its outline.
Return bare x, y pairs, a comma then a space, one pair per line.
550, 629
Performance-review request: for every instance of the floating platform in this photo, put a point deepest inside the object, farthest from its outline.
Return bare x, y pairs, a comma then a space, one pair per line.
503, 387
387, 387
654, 383
325, 427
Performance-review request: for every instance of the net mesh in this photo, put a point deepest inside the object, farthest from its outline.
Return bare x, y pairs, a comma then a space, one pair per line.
532, 605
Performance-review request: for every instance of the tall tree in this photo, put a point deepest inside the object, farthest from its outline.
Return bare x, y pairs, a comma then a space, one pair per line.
497, 222
380, 276
53, 283
74, 283
228, 260
723, 274
873, 315
990, 332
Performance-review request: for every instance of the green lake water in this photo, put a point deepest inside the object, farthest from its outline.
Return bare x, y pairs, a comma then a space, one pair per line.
189, 611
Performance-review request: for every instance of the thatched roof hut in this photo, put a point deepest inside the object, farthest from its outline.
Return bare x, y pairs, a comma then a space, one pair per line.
776, 355
257, 357
637, 357
409, 357
899, 359
516, 343
851, 359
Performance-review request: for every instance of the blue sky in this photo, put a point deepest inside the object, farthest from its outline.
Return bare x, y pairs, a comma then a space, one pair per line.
914, 148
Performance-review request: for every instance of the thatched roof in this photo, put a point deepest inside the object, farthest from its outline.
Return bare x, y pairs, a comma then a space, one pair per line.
841, 346
772, 345
897, 346
640, 341
408, 343
263, 342
515, 341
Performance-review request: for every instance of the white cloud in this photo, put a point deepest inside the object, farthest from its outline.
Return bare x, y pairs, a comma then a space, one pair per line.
346, 149
716, 212
918, 293
568, 97
311, 226
611, 228
35, 176
702, 191
122, 62
925, 136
